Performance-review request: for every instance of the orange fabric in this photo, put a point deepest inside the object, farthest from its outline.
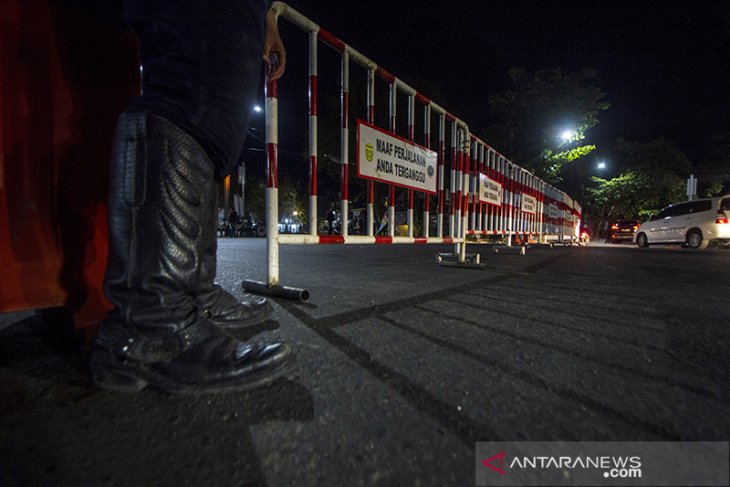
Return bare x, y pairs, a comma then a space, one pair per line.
65, 79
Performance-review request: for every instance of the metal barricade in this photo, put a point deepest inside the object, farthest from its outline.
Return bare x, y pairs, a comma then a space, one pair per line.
513, 202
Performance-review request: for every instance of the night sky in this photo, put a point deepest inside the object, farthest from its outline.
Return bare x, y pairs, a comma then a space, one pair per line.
665, 66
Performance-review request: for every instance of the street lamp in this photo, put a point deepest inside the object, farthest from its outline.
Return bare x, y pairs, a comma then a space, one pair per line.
567, 135
601, 165
257, 108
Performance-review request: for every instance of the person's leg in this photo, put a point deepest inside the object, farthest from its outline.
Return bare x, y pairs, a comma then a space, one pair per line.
159, 206
222, 308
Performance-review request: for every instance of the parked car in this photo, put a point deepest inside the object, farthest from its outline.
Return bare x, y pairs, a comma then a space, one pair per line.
695, 224
622, 231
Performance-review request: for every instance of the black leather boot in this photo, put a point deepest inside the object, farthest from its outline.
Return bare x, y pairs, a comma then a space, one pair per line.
160, 198
221, 307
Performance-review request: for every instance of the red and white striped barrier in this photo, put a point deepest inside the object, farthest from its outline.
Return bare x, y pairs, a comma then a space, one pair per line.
516, 202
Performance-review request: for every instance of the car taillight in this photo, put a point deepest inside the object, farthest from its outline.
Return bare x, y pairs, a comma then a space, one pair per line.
636, 227
614, 227
721, 218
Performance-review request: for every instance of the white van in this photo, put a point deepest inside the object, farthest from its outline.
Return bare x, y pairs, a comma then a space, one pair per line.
695, 224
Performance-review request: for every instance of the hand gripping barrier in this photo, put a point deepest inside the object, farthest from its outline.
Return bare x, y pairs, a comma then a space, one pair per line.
487, 194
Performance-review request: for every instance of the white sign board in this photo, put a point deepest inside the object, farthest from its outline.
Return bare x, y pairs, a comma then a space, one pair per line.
490, 191
385, 157
529, 204
553, 211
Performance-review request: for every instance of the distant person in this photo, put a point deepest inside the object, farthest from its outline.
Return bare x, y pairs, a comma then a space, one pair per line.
331, 217
383, 221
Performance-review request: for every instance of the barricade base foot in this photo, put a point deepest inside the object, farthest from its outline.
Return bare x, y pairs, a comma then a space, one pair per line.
509, 249
277, 290
471, 261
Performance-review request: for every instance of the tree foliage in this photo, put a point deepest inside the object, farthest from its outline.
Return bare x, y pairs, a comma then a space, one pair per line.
530, 116
654, 176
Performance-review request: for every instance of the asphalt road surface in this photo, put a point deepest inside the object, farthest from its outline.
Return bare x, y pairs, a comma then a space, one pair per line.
402, 366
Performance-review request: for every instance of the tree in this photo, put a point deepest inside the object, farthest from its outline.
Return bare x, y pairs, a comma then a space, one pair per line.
654, 176
255, 196
531, 115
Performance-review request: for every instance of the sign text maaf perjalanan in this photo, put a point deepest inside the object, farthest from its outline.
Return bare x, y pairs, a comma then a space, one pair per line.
387, 158
490, 191
529, 204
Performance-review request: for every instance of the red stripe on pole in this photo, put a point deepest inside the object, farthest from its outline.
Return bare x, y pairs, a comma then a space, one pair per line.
272, 173
420, 98
371, 114
313, 95
330, 39
331, 239
448, 240
272, 89
313, 175
384, 239
383, 74
420, 240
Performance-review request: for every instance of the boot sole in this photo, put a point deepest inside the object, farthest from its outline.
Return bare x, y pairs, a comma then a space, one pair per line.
113, 375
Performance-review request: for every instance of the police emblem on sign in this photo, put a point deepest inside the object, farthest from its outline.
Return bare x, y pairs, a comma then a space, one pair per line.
431, 170
369, 152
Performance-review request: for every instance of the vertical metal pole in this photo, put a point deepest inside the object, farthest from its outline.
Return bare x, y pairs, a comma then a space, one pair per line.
484, 206
411, 137
452, 187
272, 183
313, 133
503, 199
391, 205
517, 194
442, 175
344, 140
466, 169
370, 184
459, 183
541, 211
472, 186
487, 206
426, 196
510, 197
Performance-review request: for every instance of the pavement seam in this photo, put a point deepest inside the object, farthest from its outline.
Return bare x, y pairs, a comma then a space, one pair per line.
417, 396
370, 311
